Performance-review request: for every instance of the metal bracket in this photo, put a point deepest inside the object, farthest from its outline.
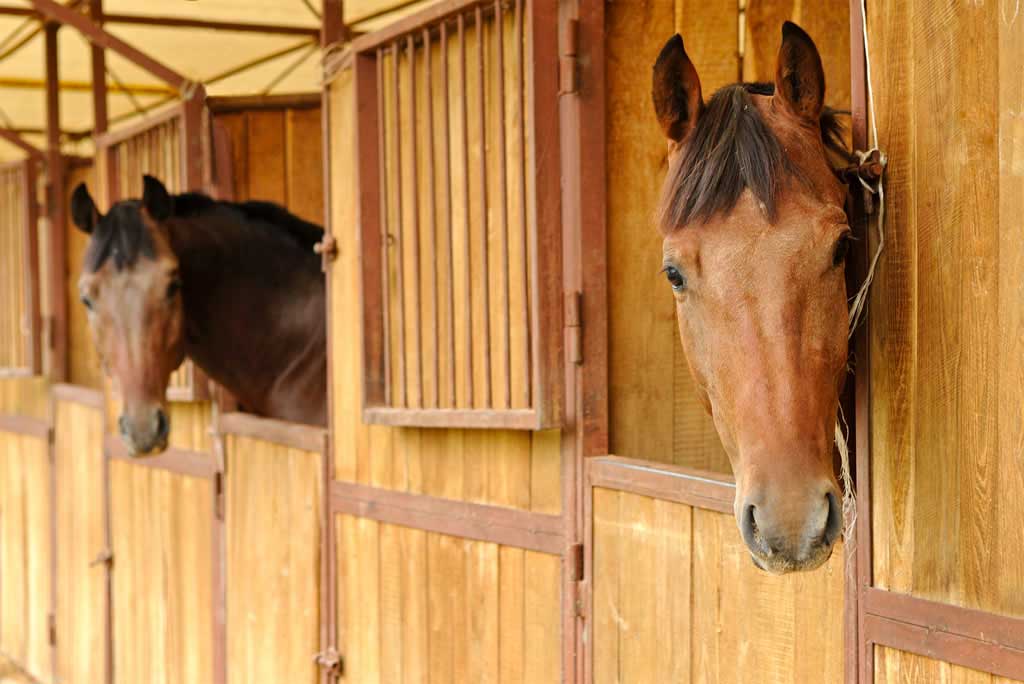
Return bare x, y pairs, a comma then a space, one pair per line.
574, 326
51, 628
218, 495
330, 661
568, 64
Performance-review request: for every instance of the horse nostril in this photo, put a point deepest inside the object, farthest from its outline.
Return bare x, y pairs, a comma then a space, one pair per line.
834, 524
122, 425
748, 527
162, 426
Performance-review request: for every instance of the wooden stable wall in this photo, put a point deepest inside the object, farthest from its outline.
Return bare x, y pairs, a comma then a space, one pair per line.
26, 548
390, 628
946, 343
654, 411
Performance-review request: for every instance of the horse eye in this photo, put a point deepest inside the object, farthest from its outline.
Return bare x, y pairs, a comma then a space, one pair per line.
675, 278
842, 249
173, 288
87, 302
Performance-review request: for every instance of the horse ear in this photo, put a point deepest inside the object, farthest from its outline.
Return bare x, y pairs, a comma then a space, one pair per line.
83, 210
799, 77
676, 92
155, 200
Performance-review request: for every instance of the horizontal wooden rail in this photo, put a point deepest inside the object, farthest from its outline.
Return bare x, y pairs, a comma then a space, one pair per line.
490, 419
180, 461
152, 119
962, 636
294, 435
78, 395
699, 488
496, 524
248, 103
24, 425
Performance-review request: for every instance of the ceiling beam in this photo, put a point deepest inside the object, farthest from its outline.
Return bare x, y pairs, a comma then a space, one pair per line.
14, 137
14, 82
98, 36
213, 25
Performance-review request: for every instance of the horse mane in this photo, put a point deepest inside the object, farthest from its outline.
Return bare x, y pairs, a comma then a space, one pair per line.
122, 237
267, 215
731, 149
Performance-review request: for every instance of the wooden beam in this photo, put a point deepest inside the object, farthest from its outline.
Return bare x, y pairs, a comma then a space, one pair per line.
99, 37
18, 12
14, 82
332, 29
237, 26
55, 201
99, 74
15, 138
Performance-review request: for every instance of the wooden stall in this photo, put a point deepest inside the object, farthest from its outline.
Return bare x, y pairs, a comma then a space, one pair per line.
20, 328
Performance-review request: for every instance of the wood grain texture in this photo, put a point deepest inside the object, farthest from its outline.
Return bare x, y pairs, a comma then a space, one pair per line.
83, 360
25, 396
426, 607
273, 561
897, 667
82, 601
510, 468
162, 576
676, 598
26, 552
947, 307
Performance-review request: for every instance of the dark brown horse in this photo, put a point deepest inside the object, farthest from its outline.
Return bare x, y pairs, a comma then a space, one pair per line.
755, 240
236, 287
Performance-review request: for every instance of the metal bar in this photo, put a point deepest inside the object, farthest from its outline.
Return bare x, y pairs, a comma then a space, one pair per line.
403, 398
293, 435
467, 248
485, 286
290, 69
212, 25
429, 16
16, 140
382, 174
55, 199
99, 74
506, 319
19, 83
506, 526
449, 228
431, 210
97, 36
509, 419
414, 205
524, 219
22, 42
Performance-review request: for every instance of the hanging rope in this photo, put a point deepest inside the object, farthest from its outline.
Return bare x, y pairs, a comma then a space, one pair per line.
869, 172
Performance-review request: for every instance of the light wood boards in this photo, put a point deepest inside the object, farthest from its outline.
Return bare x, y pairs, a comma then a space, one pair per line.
947, 305
421, 606
162, 592
26, 553
676, 598
273, 520
82, 597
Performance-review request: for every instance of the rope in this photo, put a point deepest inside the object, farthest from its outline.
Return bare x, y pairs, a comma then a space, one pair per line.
859, 301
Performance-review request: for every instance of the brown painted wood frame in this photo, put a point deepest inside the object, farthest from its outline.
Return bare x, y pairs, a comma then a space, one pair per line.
545, 254
196, 150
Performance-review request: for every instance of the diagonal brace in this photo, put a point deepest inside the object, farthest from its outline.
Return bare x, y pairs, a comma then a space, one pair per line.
100, 37
15, 139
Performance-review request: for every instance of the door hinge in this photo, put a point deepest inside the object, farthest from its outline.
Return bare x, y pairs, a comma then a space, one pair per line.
51, 628
330, 661
568, 62
218, 495
575, 559
574, 326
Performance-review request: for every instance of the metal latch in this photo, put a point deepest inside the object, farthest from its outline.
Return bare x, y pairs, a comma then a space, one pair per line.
568, 64
574, 326
330, 661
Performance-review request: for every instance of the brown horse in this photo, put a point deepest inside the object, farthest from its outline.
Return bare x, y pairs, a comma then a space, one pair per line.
236, 287
755, 240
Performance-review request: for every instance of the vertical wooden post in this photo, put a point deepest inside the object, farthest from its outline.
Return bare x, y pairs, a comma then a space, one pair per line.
58, 337
333, 29
99, 74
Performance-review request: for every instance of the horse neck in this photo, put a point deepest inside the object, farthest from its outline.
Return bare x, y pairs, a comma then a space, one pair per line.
253, 304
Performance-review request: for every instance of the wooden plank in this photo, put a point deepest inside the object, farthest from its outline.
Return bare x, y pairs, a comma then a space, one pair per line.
26, 553
893, 665
81, 585
543, 618
303, 164
266, 140
273, 570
